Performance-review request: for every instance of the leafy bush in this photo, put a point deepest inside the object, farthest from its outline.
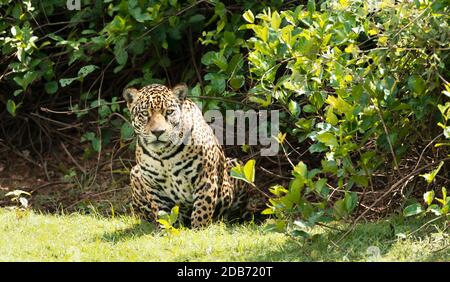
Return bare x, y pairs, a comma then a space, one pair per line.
360, 83
435, 205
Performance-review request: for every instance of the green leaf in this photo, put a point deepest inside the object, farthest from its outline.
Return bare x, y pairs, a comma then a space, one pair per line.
117, 25
263, 103
302, 224
96, 144
318, 148
268, 211
416, 84
95, 141
220, 61
276, 20
367, 157
26, 79
321, 188
295, 189
11, 107
309, 109
300, 233
138, 15
17, 92
444, 194
51, 87
278, 190
339, 209
196, 18
428, 197
444, 109
262, 32
121, 55
361, 180
429, 177
444, 200
174, 215
434, 209
447, 132
328, 139
249, 171
351, 201
311, 6
331, 118
104, 111
84, 71
88, 136
249, 17
277, 226
208, 58
67, 81
237, 172
329, 166
218, 82
165, 223
236, 63
305, 124
294, 108
340, 105
237, 82
126, 131
301, 171
413, 209
245, 173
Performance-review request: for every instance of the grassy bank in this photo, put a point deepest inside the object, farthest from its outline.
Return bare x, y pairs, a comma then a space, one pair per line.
75, 237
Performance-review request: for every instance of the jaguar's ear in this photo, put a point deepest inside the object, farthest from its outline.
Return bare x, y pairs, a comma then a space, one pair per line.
180, 91
130, 94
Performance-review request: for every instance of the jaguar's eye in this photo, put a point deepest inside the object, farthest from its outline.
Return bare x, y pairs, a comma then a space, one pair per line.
169, 112
144, 113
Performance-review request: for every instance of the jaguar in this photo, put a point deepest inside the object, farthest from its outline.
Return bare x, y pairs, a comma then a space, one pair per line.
179, 161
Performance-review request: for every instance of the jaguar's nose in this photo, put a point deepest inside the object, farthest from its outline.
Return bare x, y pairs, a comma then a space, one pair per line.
158, 132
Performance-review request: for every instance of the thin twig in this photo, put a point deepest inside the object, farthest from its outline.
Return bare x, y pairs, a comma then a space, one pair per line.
72, 158
259, 190
194, 62
274, 174
49, 184
329, 227
425, 224
424, 149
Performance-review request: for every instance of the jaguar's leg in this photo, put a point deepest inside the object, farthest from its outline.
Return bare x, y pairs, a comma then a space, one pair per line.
205, 198
140, 200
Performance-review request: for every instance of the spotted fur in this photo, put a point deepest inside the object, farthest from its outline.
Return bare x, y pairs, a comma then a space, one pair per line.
179, 160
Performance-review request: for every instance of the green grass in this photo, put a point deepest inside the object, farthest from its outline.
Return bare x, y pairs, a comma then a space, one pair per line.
75, 237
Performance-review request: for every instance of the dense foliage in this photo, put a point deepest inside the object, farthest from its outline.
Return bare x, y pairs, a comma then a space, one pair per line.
362, 87
362, 84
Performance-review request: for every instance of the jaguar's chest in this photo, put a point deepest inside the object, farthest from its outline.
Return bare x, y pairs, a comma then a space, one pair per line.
174, 178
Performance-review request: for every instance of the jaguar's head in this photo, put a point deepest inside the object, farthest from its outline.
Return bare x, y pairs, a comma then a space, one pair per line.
156, 114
